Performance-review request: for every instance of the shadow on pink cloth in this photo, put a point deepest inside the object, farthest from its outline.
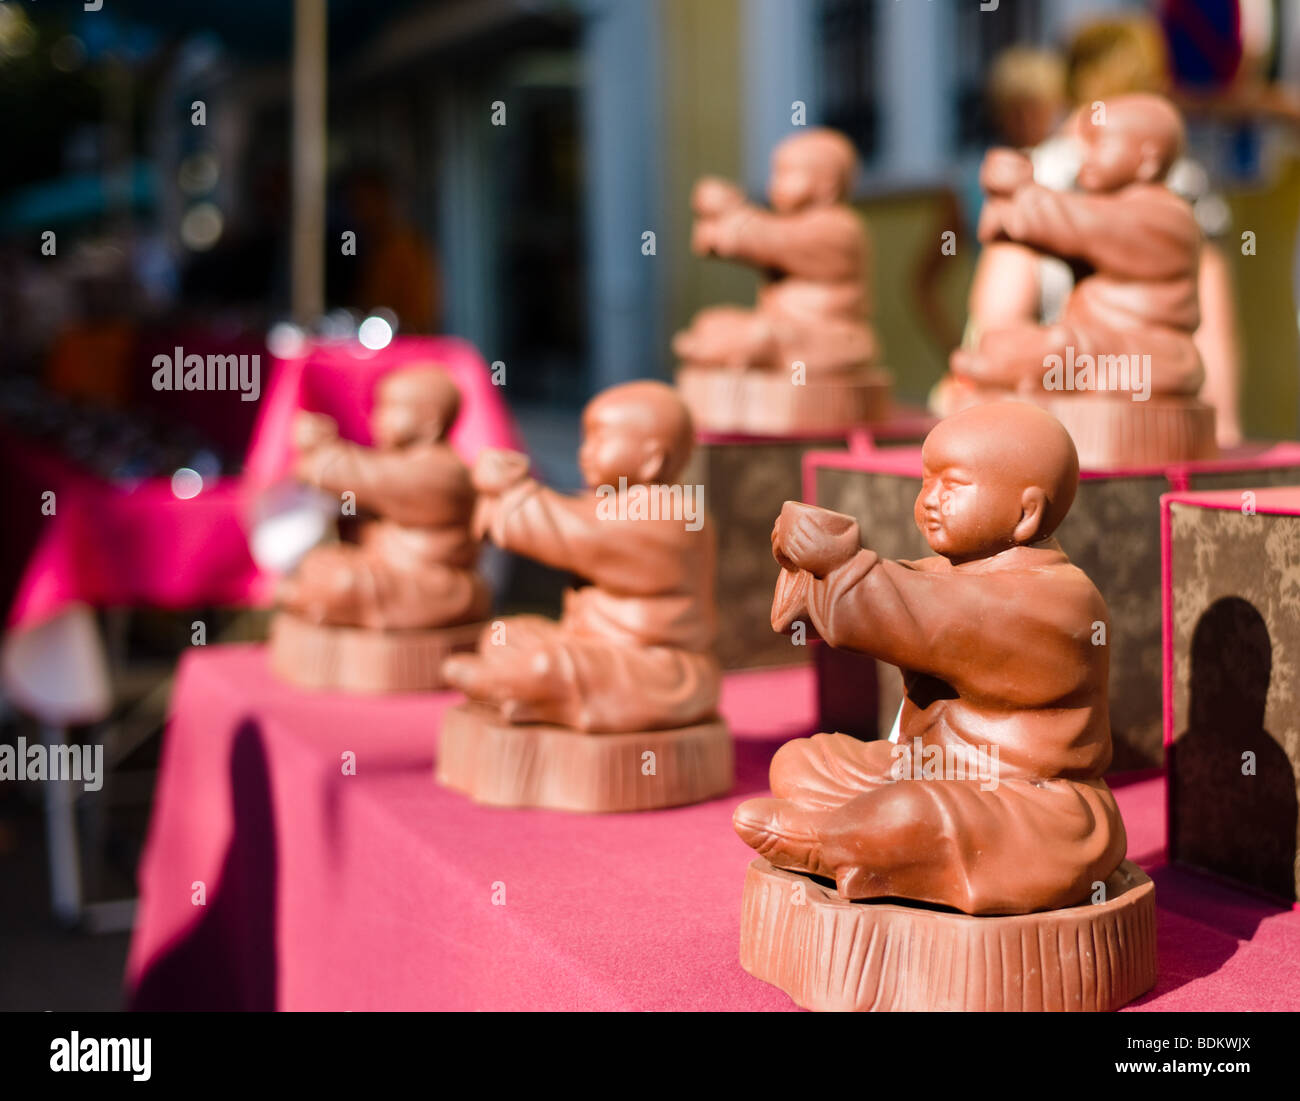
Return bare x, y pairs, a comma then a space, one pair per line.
227, 959
387, 859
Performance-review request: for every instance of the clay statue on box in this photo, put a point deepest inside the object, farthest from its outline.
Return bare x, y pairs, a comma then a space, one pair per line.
413, 565
1128, 325
1135, 243
1002, 646
632, 650
815, 256
813, 308
380, 614
613, 707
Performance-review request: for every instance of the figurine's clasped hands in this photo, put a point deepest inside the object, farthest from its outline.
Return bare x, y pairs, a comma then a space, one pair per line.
806, 537
720, 210
310, 430
495, 471
1004, 172
714, 196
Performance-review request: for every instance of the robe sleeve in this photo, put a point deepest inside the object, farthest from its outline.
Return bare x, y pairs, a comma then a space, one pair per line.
981, 632
828, 243
1137, 233
423, 486
554, 528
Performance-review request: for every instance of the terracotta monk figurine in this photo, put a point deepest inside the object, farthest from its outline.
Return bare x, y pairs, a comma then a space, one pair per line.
413, 564
1134, 245
632, 650
996, 637
814, 253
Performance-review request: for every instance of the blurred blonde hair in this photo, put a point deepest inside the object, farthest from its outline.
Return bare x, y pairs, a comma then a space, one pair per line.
1027, 72
1111, 57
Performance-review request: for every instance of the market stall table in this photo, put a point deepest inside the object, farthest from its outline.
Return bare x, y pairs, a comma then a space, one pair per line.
272, 879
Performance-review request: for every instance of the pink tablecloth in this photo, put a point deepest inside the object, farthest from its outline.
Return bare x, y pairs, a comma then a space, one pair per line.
106, 545
109, 546
375, 890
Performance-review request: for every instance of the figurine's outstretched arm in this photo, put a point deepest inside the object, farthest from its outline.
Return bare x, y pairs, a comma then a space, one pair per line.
554, 528
419, 486
894, 612
968, 627
1139, 233
982, 632
825, 244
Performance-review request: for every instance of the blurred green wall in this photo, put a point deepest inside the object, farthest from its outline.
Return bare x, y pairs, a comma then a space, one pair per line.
1266, 310
703, 136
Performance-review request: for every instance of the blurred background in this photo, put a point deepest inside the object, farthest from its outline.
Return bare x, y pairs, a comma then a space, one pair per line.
184, 175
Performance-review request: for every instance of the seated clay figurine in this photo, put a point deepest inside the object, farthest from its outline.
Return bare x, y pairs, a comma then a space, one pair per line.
1001, 644
1128, 324
412, 569
632, 651
814, 252
812, 317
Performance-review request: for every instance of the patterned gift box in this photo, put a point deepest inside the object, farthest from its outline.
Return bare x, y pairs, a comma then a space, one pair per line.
1232, 683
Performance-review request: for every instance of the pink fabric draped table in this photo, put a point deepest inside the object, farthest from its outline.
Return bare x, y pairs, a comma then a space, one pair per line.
108, 545
381, 890
112, 546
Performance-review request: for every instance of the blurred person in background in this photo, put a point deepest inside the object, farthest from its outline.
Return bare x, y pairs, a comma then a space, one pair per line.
246, 271
1027, 92
90, 358
394, 266
1027, 102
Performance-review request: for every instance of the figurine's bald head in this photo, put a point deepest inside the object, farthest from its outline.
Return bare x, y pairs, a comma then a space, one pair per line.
995, 476
640, 431
1128, 139
814, 168
414, 404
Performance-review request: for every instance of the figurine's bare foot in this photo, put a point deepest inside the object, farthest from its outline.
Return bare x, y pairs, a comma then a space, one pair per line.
326, 588
461, 672
1014, 357
486, 680
521, 686
727, 335
892, 840
786, 835
827, 770
896, 839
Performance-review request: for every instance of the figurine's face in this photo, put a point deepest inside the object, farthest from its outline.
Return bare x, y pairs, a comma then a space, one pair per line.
399, 423
614, 447
1114, 157
800, 179
964, 510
